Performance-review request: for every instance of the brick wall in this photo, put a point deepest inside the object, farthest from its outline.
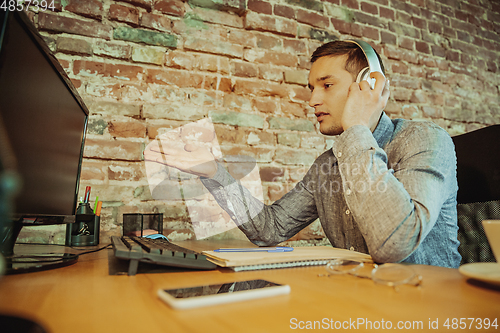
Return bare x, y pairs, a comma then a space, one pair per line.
144, 67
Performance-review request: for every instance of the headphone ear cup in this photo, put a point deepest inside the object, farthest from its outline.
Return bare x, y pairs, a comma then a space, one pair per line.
363, 75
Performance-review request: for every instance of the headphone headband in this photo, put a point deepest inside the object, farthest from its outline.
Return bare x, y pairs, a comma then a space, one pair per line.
369, 53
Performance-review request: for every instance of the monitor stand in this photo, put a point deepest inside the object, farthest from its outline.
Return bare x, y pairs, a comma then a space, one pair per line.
25, 261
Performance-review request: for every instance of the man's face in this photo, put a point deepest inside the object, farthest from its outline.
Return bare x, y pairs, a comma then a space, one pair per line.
329, 82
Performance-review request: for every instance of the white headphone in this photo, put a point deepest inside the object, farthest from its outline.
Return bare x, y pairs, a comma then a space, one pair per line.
373, 62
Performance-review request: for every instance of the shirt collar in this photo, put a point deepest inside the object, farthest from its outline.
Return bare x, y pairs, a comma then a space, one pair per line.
383, 131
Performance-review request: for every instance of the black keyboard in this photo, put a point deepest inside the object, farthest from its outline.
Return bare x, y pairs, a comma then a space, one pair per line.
157, 251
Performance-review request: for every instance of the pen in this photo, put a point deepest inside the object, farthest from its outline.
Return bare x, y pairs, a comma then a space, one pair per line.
258, 249
95, 204
87, 194
98, 209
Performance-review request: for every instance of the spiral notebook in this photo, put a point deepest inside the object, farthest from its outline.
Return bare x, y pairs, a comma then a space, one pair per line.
300, 256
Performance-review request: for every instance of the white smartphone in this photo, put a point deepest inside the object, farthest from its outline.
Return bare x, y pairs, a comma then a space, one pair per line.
198, 296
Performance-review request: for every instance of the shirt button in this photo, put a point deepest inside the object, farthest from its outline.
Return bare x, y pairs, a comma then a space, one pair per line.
339, 154
347, 212
348, 191
352, 248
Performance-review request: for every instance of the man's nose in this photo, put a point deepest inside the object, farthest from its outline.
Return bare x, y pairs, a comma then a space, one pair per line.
315, 99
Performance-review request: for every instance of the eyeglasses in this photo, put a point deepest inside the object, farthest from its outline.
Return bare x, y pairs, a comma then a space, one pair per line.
392, 275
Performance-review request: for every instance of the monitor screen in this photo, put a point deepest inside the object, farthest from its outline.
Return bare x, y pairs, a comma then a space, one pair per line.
45, 121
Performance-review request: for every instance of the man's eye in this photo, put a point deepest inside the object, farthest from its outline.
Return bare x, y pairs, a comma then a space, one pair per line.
327, 85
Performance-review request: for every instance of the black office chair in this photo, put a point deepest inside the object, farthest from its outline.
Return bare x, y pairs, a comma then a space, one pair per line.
478, 173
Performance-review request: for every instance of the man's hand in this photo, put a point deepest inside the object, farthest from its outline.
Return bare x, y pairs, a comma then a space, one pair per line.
365, 105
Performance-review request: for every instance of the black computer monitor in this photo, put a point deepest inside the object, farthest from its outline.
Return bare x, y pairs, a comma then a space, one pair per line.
44, 123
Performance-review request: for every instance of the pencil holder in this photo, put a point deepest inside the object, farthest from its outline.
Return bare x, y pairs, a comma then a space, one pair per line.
142, 224
85, 230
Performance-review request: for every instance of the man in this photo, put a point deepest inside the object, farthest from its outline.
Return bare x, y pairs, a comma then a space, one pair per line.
387, 187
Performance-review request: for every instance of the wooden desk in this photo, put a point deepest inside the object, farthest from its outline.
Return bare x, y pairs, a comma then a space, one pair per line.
85, 298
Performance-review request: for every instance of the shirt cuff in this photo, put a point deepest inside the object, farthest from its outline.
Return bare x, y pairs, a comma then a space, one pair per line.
353, 141
221, 178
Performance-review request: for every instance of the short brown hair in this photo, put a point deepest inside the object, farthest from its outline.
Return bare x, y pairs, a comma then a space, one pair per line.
356, 59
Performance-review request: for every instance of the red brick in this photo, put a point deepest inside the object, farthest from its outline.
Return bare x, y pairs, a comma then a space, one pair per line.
400, 95
422, 47
213, 46
406, 43
270, 57
268, 23
116, 149
284, 11
71, 25
268, 42
172, 7
124, 14
270, 73
133, 73
110, 49
225, 85
294, 109
226, 134
388, 38
301, 94
260, 88
263, 155
89, 8
341, 26
244, 69
271, 174
353, 4
436, 99
418, 97
210, 83
419, 23
371, 33
127, 129
260, 138
313, 19
432, 112
369, 8
141, 3
73, 46
295, 46
260, 6
76, 83
92, 170
181, 79
265, 105
399, 67
356, 30
154, 21
387, 13
181, 60
452, 55
125, 172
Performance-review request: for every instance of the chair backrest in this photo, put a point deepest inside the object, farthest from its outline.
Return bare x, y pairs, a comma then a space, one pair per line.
478, 174
478, 165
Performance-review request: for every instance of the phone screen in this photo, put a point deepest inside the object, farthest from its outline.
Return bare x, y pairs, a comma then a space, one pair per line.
215, 289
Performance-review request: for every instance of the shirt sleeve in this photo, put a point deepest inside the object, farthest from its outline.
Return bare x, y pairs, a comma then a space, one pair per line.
395, 206
264, 225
